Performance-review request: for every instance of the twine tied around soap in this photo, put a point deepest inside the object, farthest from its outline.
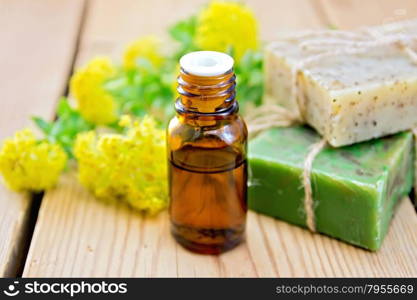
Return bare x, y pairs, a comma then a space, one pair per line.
268, 115
308, 190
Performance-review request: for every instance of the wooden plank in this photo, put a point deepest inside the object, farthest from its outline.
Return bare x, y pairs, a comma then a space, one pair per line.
348, 14
112, 24
78, 235
38, 40
278, 16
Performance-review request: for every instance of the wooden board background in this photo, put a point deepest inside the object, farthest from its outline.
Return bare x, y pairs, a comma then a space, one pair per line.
77, 235
37, 47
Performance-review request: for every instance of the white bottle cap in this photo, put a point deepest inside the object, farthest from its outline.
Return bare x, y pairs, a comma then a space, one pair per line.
206, 63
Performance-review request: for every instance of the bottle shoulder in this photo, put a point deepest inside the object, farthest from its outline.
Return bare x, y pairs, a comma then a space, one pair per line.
227, 131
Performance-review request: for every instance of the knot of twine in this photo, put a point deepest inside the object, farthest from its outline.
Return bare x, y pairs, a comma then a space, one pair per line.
268, 116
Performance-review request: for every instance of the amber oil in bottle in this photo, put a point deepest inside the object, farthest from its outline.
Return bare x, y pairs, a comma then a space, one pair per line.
207, 144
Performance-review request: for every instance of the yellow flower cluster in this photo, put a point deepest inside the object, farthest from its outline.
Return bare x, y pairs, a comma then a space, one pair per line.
147, 47
130, 167
227, 24
30, 165
95, 104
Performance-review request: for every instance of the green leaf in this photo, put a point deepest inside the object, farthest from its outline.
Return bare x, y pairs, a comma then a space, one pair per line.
65, 128
63, 107
145, 89
184, 33
43, 125
249, 73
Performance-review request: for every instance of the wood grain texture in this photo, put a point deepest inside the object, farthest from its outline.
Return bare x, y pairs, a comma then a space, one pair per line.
37, 46
78, 235
110, 24
369, 12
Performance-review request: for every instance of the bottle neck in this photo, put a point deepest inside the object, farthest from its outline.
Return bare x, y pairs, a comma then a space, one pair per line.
204, 96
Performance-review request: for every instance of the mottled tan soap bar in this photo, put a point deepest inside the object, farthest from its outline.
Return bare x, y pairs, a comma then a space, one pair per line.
346, 93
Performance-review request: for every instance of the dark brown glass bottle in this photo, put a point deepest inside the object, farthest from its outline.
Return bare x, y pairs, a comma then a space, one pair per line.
207, 144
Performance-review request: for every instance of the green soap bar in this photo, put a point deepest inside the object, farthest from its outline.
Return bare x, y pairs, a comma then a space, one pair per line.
355, 188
